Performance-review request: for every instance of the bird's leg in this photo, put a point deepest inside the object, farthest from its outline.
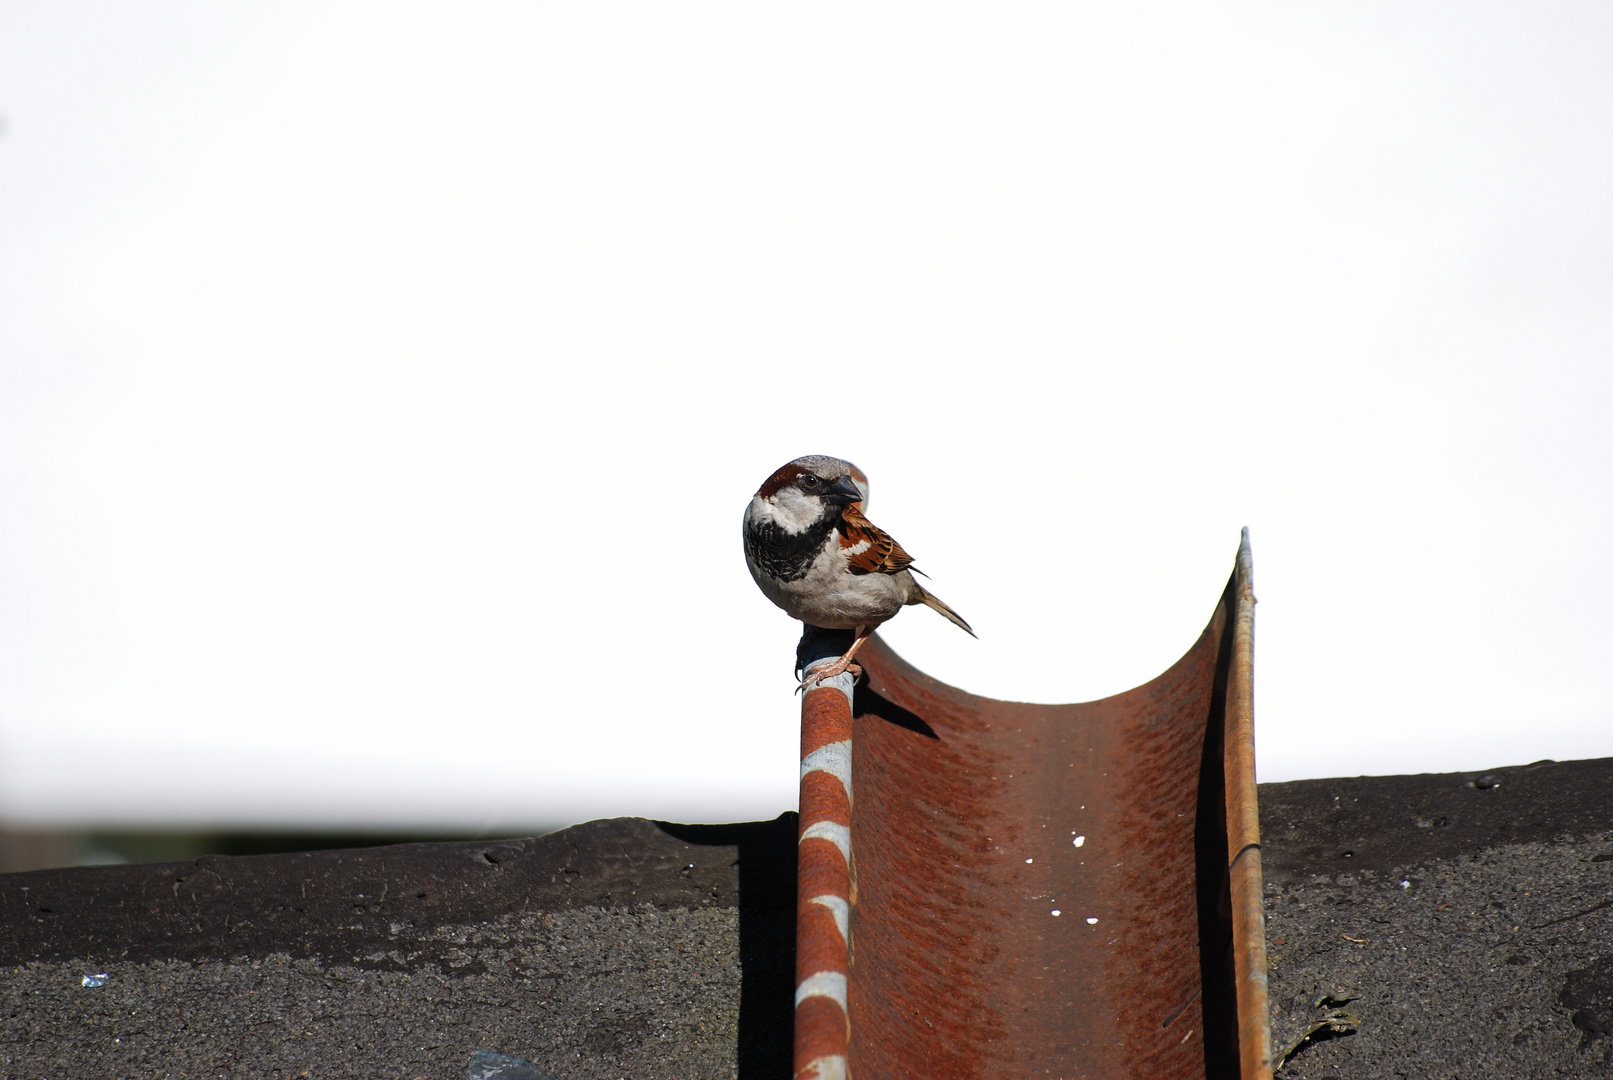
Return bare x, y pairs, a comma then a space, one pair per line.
840, 666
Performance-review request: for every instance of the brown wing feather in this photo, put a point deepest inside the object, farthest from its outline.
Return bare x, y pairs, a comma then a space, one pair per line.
883, 555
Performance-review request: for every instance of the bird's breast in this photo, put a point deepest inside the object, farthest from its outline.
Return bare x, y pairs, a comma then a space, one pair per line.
783, 553
830, 595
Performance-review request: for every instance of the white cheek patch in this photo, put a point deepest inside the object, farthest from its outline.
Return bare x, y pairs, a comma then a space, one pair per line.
792, 511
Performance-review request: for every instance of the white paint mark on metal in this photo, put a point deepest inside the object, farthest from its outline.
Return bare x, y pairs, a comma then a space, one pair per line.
832, 1067
839, 909
834, 759
827, 984
837, 834
1079, 841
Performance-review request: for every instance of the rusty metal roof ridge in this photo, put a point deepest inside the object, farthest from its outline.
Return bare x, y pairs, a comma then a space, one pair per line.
988, 886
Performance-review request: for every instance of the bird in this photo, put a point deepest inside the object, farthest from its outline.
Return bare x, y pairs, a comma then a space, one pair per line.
814, 554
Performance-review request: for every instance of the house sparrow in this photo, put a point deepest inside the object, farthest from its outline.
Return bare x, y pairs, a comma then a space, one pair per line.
813, 554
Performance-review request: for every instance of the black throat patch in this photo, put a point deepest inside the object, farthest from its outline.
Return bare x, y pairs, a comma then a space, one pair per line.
786, 555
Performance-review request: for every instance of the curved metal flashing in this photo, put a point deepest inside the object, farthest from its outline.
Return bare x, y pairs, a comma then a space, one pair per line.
1064, 889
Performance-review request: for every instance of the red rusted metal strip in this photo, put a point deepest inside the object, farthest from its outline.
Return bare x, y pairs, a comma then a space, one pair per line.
824, 893
1243, 832
1044, 889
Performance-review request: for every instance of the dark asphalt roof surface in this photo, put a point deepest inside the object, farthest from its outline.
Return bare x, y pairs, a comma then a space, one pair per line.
1459, 925
1419, 926
614, 949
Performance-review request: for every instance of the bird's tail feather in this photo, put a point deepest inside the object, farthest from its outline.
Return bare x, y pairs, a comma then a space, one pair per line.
930, 600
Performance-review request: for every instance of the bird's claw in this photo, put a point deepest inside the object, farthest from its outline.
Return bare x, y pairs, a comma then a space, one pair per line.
829, 671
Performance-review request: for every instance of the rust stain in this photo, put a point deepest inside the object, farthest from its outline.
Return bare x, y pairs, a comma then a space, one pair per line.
1154, 970
927, 896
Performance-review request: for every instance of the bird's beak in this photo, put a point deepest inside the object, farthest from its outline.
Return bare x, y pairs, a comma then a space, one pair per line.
843, 491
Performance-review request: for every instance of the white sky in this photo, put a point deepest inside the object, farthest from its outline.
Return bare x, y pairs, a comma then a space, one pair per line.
381, 384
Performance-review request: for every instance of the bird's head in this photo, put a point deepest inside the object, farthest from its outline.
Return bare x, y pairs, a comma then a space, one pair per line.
808, 488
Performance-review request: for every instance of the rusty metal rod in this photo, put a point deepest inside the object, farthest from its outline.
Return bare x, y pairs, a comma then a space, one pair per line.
824, 893
1243, 834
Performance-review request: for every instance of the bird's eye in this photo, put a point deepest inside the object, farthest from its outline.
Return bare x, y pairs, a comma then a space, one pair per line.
810, 481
